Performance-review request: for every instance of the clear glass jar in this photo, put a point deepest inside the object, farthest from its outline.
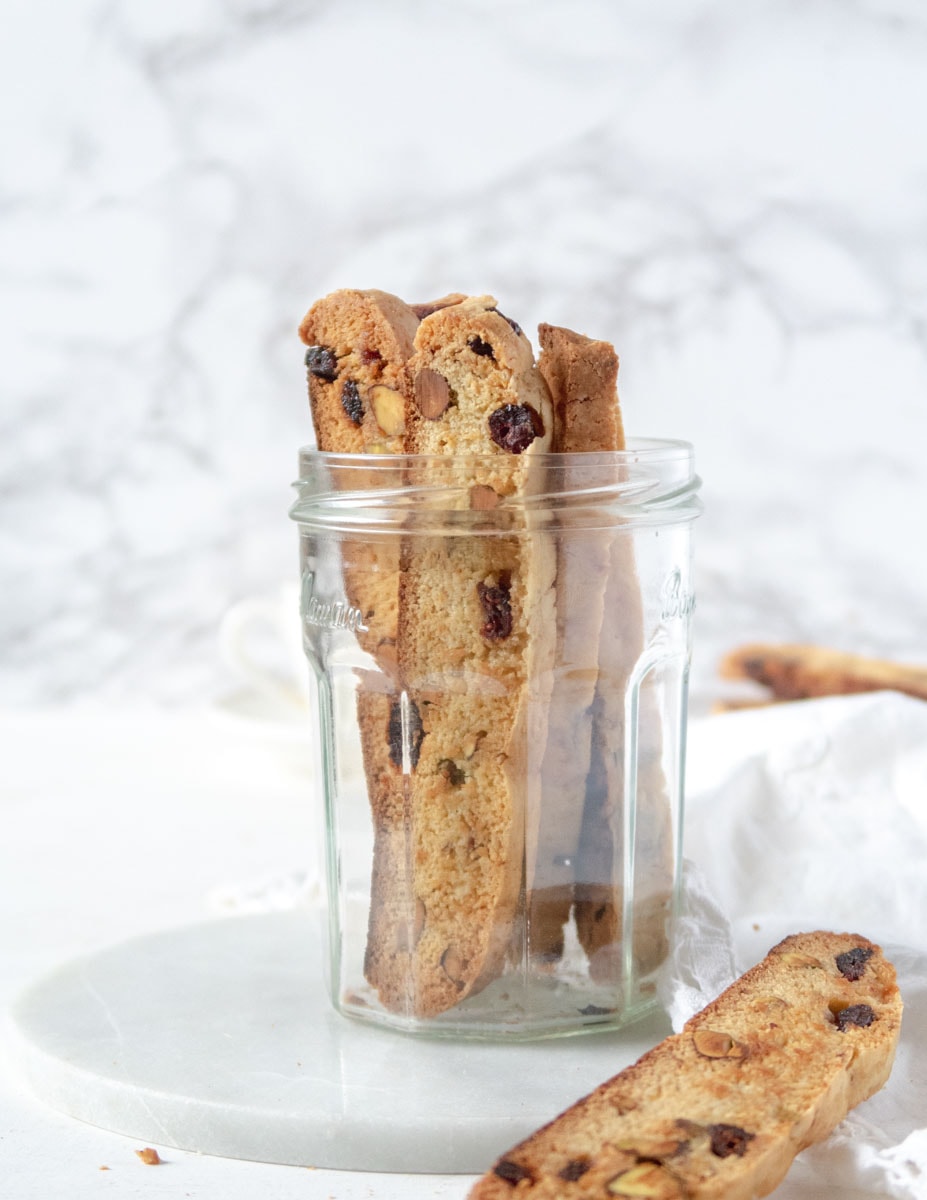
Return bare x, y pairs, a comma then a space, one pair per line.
501, 653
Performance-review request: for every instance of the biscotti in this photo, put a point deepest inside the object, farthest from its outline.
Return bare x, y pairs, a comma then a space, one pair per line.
718, 1111
581, 374
476, 646
582, 856
359, 344
796, 672
461, 629
489, 687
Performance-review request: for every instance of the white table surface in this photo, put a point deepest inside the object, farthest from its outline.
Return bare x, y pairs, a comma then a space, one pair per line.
122, 824
119, 825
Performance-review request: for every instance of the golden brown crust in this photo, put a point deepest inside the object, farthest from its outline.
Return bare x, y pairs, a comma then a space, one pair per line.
718, 1111
362, 340
428, 307
582, 375
798, 672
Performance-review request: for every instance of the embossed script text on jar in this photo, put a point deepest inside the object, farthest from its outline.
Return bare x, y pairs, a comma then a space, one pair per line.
331, 614
676, 599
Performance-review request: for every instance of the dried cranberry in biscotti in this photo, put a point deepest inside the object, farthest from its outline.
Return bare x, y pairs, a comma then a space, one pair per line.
729, 1139
575, 1169
514, 427
351, 401
860, 1015
483, 349
852, 963
496, 601
322, 363
511, 1172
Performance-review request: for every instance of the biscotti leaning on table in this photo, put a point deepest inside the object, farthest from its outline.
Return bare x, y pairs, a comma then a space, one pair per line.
718, 1111
465, 634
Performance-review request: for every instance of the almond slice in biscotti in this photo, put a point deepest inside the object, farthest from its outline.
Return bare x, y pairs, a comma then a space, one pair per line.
581, 374
475, 652
718, 1111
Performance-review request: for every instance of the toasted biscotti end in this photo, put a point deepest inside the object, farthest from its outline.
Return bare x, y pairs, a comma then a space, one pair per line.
581, 374
797, 672
359, 344
718, 1111
427, 307
476, 385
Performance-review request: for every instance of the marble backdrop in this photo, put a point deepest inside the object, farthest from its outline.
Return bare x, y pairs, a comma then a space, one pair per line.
735, 194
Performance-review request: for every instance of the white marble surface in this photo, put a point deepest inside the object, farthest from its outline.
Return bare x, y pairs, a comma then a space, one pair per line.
733, 193
219, 1038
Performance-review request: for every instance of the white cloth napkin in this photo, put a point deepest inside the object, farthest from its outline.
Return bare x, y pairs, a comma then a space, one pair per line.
805, 816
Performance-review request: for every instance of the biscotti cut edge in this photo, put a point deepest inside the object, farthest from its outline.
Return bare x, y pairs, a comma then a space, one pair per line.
719, 1110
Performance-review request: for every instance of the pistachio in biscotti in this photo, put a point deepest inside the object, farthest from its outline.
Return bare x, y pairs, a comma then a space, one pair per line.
794, 959
655, 1148
432, 393
647, 1179
852, 963
473, 743
388, 409
452, 964
714, 1043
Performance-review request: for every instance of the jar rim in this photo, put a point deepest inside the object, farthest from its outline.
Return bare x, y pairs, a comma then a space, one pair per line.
638, 449
652, 481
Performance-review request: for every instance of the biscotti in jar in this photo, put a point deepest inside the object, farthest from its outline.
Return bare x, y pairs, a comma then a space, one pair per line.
496, 610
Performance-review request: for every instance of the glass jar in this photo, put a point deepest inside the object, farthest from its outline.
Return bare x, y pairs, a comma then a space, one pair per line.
501, 650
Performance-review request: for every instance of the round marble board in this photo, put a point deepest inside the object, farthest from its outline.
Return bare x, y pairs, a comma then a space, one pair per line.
219, 1038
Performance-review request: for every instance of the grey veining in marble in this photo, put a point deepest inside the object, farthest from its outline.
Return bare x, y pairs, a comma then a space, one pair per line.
734, 194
